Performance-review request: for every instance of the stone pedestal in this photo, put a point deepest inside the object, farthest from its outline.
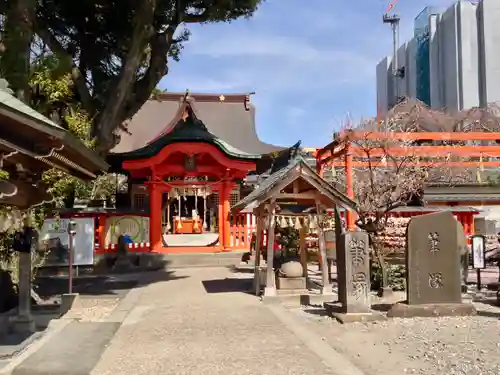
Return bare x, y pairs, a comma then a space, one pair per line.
23, 322
68, 301
4, 324
336, 312
404, 310
270, 291
24, 325
292, 283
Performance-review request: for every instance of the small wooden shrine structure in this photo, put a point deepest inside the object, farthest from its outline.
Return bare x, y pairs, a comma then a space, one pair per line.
298, 192
30, 144
205, 151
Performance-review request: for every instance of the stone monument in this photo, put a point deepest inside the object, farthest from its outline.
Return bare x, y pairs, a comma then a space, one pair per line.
433, 268
353, 274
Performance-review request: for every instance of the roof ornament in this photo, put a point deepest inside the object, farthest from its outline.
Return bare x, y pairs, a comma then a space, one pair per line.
186, 96
246, 103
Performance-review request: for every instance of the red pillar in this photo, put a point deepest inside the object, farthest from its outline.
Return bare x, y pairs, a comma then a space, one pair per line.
221, 217
349, 186
226, 206
471, 224
101, 222
155, 216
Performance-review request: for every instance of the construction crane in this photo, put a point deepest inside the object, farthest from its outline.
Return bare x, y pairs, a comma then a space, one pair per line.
393, 20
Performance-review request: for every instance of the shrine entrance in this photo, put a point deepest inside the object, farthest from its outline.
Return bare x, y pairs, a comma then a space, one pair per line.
189, 175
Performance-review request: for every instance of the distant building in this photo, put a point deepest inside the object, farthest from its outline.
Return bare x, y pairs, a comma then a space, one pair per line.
451, 61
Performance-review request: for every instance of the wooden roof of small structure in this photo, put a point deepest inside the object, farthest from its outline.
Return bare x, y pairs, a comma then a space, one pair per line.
30, 139
30, 144
229, 117
309, 181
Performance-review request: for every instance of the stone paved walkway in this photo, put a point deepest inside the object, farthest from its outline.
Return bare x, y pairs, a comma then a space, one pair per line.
202, 323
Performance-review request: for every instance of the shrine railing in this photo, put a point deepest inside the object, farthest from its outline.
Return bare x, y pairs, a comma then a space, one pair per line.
242, 228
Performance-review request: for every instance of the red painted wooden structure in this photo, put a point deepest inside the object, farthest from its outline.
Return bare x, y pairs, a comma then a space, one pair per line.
343, 150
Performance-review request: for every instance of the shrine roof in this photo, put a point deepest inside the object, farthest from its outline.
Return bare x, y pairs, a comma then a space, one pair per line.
230, 118
300, 168
41, 140
188, 128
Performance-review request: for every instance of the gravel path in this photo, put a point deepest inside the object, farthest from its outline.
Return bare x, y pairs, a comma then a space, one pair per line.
93, 309
445, 346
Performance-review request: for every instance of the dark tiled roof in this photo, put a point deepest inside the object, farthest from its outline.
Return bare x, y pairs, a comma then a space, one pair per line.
435, 209
461, 197
267, 185
187, 129
232, 120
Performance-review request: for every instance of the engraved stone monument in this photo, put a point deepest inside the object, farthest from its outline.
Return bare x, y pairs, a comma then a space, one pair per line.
354, 280
353, 271
433, 266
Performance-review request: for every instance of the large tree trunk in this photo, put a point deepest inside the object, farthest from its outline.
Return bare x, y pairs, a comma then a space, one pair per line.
112, 114
18, 34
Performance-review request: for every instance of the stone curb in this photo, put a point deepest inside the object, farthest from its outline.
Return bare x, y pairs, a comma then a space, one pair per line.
54, 328
118, 315
337, 362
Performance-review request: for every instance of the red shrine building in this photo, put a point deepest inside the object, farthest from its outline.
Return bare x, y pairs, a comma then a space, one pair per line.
187, 157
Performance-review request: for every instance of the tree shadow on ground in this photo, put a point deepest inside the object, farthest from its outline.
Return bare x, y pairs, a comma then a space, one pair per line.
382, 307
227, 285
100, 285
241, 268
489, 314
103, 280
316, 311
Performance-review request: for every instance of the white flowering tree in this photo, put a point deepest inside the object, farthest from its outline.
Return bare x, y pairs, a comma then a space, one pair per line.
388, 180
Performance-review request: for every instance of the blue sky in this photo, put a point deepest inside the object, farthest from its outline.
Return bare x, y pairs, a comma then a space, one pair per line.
310, 62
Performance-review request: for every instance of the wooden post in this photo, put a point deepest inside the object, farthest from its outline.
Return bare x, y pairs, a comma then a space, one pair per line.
258, 240
303, 250
349, 186
327, 288
270, 289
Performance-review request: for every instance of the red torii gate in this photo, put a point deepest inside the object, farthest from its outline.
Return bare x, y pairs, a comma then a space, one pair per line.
343, 148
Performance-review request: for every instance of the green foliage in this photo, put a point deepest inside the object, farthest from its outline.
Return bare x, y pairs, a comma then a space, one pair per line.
396, 275
288, 239
116, 52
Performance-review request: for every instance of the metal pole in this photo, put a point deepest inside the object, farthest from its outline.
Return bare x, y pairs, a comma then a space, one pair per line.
70, 256
478, 273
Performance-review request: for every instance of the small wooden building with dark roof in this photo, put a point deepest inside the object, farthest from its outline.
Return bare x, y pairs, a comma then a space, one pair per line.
185, 156
30, 144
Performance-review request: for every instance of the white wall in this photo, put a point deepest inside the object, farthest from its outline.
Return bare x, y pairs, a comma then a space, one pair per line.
489, 35
384, 85
468, 66
448, 33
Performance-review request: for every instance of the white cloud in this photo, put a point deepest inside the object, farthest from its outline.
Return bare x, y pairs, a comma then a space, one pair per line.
275, 62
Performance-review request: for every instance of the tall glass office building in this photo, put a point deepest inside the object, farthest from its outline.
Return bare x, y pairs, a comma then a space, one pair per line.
422, 55
452, 60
